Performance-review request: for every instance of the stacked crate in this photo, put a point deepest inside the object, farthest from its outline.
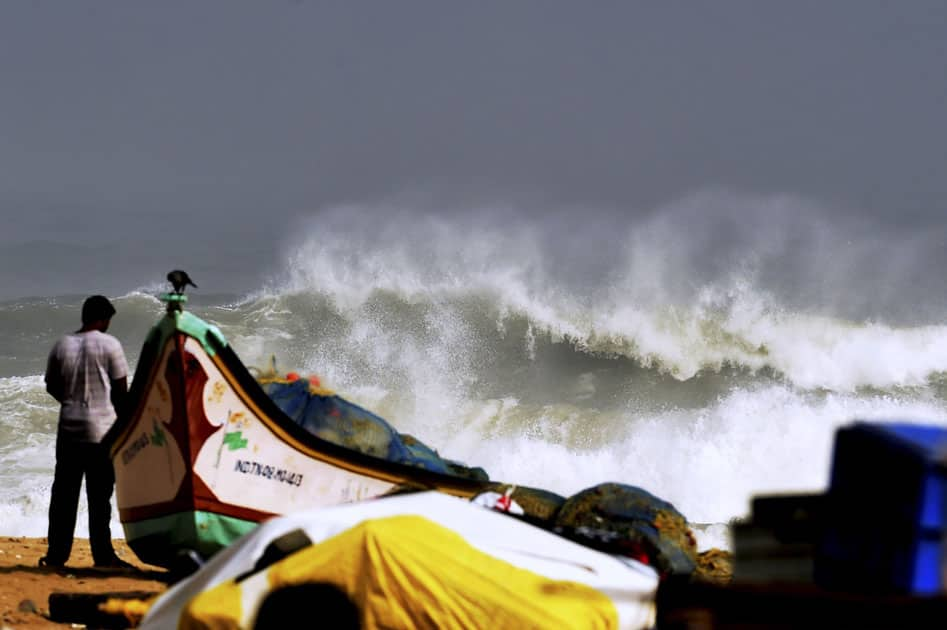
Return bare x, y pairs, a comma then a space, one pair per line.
887, 505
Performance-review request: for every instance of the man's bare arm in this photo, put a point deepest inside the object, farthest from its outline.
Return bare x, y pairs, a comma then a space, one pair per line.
53, 377
54, 387
119, 394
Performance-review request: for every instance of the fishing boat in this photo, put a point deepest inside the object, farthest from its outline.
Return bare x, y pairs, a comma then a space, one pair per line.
203, 453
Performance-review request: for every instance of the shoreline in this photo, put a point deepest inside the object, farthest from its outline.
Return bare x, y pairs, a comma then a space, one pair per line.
25, 587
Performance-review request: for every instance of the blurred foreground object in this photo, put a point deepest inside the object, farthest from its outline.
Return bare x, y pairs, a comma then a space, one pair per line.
887, 507
869, 552
418, 560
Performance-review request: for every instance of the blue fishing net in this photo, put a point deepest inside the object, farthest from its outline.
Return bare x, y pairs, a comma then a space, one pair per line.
334, 419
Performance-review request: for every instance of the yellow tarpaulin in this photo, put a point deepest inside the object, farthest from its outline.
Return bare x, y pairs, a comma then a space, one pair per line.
408, 572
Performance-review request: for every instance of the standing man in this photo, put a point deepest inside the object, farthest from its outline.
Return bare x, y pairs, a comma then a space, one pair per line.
88, 375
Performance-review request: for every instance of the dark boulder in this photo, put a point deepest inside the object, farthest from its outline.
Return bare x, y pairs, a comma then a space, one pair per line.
625, 519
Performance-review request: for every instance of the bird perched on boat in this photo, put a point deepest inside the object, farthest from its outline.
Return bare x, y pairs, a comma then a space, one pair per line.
179, 279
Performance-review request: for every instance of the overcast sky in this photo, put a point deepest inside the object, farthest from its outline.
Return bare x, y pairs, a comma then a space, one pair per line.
187, 132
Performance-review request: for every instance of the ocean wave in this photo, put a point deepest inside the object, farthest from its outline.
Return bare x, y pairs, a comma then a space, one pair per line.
483, 330
486, 333
710, 284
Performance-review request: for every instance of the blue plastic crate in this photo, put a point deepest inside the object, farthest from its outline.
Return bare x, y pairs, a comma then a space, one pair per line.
887, 509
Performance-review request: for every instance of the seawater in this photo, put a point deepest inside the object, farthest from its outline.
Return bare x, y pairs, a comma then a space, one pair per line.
705, 395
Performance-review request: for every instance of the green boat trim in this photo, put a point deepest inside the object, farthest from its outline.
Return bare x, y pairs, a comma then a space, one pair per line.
178, 320
204, 532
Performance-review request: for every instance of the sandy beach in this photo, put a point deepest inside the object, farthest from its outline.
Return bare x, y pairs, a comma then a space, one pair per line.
25, 587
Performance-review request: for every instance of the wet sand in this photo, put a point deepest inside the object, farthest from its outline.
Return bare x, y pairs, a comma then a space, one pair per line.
25, 587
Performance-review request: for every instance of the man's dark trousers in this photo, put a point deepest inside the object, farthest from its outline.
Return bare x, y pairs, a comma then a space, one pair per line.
73, 460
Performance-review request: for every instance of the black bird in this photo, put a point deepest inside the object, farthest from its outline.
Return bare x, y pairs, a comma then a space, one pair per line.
179, 279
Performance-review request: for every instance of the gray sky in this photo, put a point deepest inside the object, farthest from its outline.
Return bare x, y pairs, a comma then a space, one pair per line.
187, 133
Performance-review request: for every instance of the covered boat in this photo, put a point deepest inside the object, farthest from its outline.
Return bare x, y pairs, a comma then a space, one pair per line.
412, 561
204, 453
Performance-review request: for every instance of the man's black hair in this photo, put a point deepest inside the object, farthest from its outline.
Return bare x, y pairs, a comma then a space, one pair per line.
95, 308
285, 606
